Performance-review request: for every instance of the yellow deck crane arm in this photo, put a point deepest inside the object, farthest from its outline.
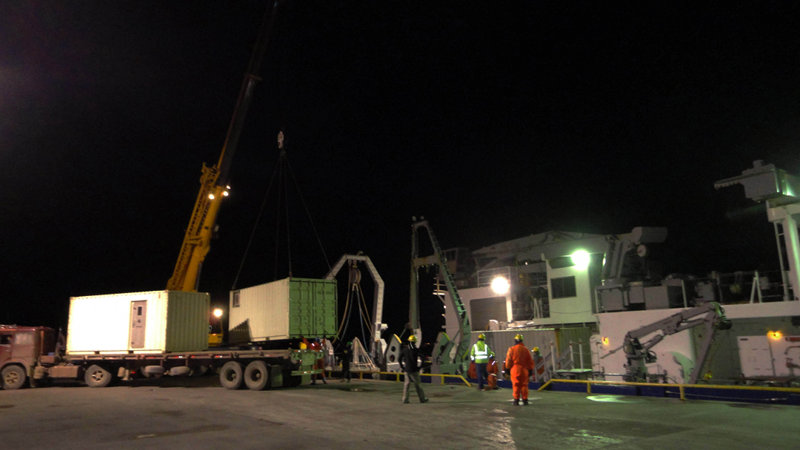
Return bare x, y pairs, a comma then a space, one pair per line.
213, 181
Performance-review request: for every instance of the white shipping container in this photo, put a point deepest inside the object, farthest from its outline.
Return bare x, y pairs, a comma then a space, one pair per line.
138, 322
285, 309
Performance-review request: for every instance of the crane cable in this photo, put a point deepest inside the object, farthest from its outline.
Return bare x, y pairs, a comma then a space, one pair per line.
354, 288
352, 280
282, 180
361, 307
308, 213
282, 189
345, 316
255, 227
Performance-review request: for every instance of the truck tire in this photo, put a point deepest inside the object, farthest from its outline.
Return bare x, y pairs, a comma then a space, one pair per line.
230, 375
96, 376
13, 377
256, 376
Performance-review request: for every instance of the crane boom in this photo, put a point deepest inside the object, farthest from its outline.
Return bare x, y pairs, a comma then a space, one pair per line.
711, 315
214, 179
449, 354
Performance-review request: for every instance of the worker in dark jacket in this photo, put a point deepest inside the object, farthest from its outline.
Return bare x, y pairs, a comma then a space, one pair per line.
347, 355
408, 362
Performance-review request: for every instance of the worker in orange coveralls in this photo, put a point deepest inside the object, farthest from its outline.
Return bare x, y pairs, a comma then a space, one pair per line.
538, 374
320, 364
491, 369
520, 363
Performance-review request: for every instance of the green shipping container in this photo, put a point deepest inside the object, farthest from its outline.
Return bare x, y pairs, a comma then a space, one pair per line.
285, 309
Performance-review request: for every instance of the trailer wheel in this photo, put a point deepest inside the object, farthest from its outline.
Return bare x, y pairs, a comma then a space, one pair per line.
96, 376
13, 377
230, 375
256, 376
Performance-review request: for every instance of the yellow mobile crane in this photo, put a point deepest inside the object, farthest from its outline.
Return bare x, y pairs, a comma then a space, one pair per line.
213, 181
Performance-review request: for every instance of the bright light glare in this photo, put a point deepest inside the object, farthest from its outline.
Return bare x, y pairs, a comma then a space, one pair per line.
211, 196
775, 335
217, 312
581, 259
500, 285
225, 193
605, 340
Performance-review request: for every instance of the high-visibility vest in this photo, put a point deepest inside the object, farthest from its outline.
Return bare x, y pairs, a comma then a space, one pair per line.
481, 352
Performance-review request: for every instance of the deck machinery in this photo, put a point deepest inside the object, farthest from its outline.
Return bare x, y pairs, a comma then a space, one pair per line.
449, 354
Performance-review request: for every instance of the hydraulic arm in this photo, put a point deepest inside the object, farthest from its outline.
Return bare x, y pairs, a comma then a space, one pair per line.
638, 352
214, 179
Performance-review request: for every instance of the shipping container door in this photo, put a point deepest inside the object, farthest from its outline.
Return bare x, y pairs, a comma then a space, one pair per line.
325, 318
138, 323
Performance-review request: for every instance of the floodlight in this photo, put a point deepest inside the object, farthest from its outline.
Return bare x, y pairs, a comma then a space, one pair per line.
500, 285
581, 259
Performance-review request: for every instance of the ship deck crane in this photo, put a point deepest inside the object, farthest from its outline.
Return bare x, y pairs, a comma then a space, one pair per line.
214, 179
449, 354
781, 193
638, 352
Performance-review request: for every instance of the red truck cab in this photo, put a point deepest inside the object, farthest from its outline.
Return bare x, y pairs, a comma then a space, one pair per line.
21, 350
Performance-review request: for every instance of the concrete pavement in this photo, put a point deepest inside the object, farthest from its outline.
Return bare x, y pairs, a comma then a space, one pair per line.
197, 414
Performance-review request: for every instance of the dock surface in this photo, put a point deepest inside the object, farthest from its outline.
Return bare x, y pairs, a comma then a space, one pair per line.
369, 414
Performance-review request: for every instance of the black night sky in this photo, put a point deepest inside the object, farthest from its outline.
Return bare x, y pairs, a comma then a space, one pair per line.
492, 120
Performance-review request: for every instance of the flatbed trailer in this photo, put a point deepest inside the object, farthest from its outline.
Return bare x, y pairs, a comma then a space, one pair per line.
30, 355
257, 369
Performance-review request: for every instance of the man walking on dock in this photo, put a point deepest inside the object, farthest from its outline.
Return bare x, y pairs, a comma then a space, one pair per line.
408, 362
347, 354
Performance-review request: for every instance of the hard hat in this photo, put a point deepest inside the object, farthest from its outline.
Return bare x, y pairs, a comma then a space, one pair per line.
518, 337
536, 349
412, 338
481, 336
